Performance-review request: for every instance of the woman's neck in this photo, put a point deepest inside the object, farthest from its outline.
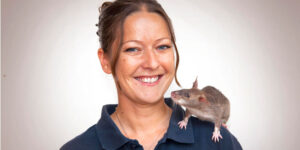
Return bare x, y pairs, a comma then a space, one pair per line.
145, 122
136, 119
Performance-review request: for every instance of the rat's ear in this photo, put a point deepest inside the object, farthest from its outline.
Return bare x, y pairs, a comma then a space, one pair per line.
202, 98
195, 84
104, 60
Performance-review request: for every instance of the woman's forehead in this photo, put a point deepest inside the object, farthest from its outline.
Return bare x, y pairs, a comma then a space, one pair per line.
144, 25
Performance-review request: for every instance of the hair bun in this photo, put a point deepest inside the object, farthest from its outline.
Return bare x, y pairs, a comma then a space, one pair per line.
105, 5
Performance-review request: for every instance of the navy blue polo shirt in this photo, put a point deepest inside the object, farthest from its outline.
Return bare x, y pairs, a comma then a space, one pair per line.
105, 135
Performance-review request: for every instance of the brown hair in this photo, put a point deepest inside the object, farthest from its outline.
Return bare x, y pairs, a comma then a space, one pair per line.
111, 20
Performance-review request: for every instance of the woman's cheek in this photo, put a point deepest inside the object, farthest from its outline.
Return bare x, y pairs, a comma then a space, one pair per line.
168, 60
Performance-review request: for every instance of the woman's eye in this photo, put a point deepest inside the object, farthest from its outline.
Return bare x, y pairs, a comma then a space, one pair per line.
131, 50
163, 47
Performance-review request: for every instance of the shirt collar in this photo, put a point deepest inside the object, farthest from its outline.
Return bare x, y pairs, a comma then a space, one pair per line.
108, 133
111, 138
174, 132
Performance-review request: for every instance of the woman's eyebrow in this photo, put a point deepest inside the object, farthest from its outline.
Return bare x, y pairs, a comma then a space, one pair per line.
137, 41
162, 39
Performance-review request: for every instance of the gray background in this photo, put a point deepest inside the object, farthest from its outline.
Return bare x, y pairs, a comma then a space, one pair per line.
53, 87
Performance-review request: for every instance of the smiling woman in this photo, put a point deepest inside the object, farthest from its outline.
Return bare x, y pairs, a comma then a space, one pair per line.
138, 48
146, 60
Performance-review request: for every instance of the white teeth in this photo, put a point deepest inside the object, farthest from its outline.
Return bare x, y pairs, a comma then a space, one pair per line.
149, 80
153, 79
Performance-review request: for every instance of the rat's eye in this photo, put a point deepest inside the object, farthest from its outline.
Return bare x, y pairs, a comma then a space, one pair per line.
187, 95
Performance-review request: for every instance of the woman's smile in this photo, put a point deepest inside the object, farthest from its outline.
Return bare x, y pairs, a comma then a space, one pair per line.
151, 80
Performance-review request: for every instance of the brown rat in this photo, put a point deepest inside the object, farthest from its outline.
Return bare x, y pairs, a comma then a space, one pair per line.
207, 104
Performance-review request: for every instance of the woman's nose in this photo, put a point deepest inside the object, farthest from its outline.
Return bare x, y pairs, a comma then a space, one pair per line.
151, 59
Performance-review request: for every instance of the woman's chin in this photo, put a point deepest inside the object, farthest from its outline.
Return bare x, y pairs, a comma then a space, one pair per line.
150, 99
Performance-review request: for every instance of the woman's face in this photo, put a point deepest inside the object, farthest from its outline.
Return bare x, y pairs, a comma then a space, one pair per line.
145, 67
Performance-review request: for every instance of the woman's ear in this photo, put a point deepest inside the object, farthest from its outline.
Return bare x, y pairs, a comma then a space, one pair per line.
104, 60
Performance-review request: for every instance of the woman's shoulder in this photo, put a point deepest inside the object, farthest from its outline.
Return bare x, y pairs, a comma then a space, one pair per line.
87, 140
203, 131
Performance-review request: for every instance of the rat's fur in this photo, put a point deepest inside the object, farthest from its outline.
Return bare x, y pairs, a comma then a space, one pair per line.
207, 104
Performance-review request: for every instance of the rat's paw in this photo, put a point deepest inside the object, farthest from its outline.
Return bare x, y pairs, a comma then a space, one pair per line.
182, 124
216, 136
224, 125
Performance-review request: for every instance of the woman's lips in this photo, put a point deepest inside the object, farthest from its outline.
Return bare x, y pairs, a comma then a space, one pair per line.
149, 80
